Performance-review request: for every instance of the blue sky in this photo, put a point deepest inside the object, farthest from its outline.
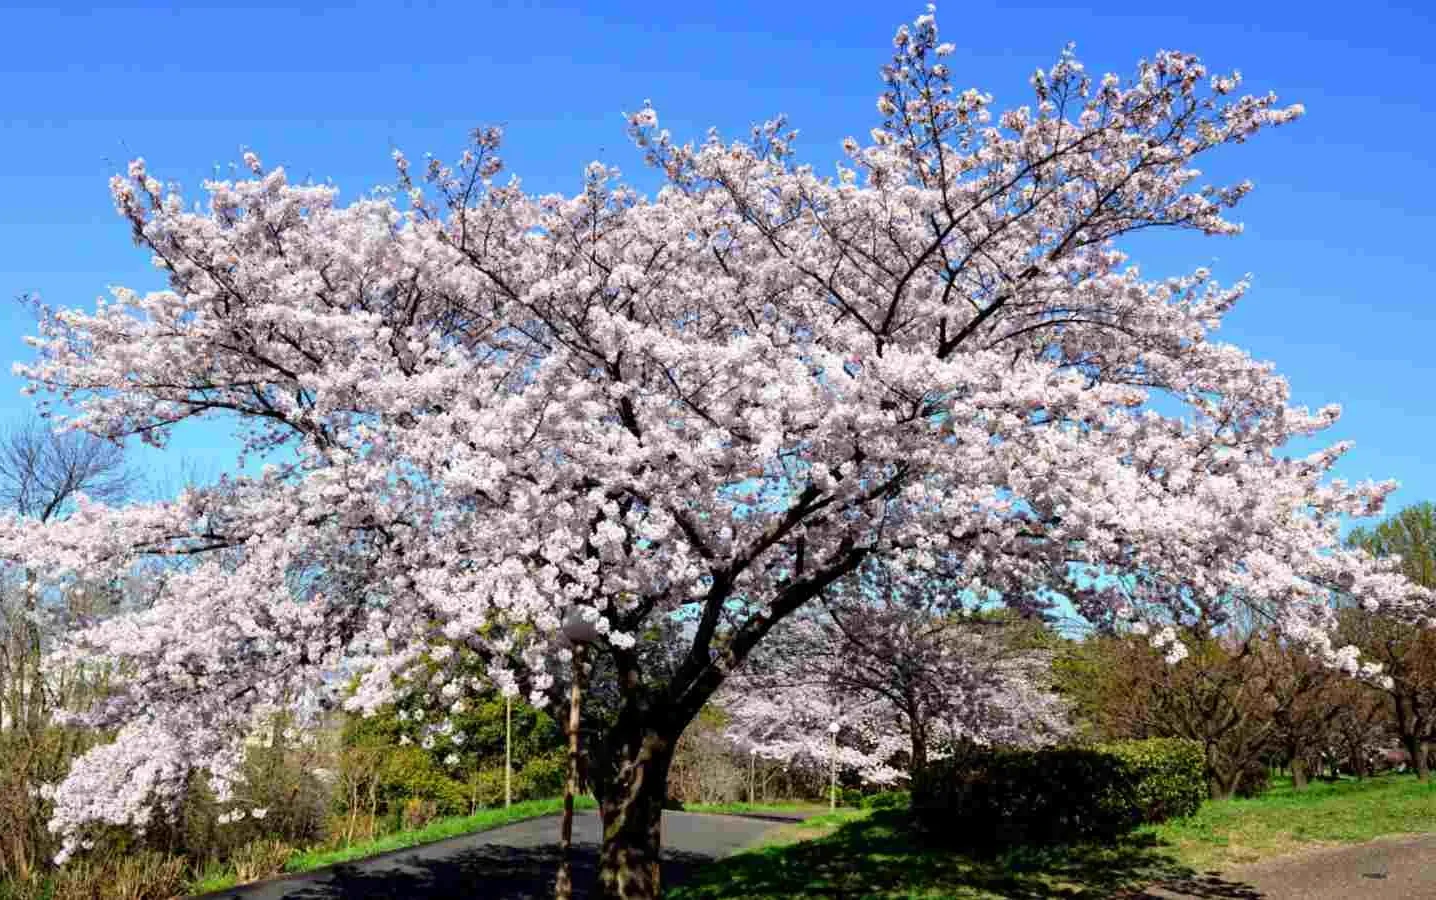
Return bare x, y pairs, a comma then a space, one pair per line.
1338, 232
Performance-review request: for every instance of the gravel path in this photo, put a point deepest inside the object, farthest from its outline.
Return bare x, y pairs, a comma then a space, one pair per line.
1395, 868
514, 861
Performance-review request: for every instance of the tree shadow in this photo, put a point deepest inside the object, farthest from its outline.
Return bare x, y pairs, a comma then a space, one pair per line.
886, 855
485, 871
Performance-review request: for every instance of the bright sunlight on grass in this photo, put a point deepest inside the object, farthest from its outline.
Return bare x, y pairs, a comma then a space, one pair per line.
1283, 820
862, 853
756, 809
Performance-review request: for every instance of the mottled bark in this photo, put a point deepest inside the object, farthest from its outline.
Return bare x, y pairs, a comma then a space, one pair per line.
632, 808
1299, 777
1420, 752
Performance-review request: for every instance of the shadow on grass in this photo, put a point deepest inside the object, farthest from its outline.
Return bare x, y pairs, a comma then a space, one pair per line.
885, 856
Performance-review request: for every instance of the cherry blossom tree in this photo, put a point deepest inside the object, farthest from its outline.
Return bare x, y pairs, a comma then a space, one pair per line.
907, 668
490, 410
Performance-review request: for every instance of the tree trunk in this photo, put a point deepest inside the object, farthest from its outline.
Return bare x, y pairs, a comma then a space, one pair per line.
1358, 764
1222, 788
1298, 773
1418, 750
1218, 786
919, 748
563, 885
632, 809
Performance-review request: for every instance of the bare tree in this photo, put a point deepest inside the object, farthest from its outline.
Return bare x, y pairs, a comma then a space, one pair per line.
42, 471
1305, 699
1217, 696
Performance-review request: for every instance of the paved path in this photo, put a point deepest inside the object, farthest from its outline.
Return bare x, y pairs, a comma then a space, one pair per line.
1394, 868
514, 861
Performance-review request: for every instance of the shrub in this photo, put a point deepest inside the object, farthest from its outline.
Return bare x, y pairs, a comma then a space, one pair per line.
1058, 794
408, 773
418, 813
888, 800
141, 876
1166, 776
544, 776
260, 859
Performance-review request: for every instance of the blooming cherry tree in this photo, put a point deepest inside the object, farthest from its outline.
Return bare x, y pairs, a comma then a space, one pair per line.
494, 410
908, 670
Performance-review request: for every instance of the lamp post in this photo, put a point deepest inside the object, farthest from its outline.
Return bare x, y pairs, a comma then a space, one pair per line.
752, 776
833, 773
508, 751
579, 631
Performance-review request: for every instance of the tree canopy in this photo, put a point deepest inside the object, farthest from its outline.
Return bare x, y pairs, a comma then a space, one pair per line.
490, 411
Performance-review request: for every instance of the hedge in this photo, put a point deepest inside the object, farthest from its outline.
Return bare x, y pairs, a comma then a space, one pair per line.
1059, 794
887, 800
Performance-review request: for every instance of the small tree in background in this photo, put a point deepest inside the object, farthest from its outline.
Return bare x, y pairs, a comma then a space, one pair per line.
908, 667
1406, 652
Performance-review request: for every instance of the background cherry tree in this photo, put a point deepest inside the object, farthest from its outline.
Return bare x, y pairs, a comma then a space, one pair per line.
909, 672
490, 410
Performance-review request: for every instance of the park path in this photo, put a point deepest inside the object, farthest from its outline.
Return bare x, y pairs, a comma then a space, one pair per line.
1401, 867
514, 861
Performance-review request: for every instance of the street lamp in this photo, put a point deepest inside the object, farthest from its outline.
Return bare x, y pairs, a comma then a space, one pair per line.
833, 774
508, 750
752, 775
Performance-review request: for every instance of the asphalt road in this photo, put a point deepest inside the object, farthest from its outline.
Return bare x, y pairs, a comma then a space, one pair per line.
1395, 868
514, 861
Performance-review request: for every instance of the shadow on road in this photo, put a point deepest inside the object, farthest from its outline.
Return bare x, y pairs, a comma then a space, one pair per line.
485, 871
1205, 887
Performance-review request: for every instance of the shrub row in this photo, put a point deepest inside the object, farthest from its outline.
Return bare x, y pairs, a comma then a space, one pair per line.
1059, 794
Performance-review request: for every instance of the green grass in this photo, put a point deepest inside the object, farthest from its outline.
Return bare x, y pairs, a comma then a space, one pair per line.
215, 878
756, 809
881, 854
878, 854
437, 830
222, 878
1284, 820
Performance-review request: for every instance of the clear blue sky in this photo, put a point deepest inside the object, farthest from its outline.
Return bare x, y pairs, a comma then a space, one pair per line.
1338, 233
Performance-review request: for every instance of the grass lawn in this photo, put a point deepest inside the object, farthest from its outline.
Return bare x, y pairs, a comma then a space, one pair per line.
865, 853
862, 853
1284, 820
437, 830
756, 809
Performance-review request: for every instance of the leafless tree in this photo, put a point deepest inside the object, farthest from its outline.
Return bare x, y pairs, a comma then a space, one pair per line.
42, 471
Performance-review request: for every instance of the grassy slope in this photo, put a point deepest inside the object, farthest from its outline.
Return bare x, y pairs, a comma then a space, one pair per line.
877, 854
745, 809
1283, 820
437, 830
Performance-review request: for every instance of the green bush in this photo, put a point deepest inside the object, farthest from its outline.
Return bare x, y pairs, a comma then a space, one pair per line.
409, 773
888, 800
544, 775
1166, 774
1059, 794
